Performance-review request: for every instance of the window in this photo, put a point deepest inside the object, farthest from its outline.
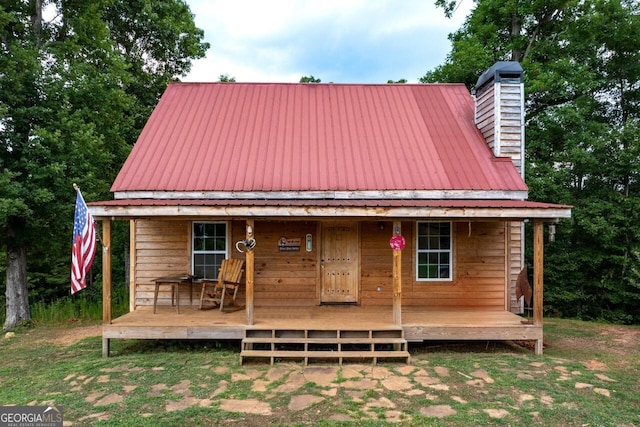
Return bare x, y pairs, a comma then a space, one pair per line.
209, 248
434, 261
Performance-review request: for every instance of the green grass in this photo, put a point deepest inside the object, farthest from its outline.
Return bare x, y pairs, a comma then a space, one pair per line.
83, 306
39, 368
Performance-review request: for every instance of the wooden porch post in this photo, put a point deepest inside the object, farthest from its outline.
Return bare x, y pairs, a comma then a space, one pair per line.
538, 276
249, 268
106, 281
132, 265
397, 278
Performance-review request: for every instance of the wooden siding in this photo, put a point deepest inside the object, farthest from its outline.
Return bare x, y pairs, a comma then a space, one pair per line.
292, 278
376, 260
500, 119
479, 268
161, 249
515, 262
285, 278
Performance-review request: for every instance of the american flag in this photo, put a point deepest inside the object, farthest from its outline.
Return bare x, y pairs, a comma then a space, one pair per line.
84, 245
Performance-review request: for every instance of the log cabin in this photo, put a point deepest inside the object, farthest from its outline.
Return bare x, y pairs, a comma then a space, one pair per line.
368, 216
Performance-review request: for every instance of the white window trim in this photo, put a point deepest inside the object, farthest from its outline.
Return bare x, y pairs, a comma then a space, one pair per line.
226, 240
436, 279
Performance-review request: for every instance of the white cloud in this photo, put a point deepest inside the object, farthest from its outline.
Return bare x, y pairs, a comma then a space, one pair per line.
336, 40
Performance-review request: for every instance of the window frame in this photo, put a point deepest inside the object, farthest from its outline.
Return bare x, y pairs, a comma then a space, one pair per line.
210, 252
419, 251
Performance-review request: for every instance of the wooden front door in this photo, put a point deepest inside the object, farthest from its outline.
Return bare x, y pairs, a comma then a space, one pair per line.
339, 263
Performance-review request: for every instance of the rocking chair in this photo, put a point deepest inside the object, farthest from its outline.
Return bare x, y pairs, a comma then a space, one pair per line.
226, 285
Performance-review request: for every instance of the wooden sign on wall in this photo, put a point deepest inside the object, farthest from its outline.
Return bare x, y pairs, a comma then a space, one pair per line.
289, 245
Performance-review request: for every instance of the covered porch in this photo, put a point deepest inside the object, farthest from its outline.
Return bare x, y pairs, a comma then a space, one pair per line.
394, 320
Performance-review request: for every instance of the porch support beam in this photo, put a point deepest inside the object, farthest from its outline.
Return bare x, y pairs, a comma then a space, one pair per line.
421, 209
397, 278
106, 281
132, 265
538, 278
249, 272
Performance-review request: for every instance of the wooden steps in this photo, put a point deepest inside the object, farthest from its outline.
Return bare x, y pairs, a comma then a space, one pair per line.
325, 345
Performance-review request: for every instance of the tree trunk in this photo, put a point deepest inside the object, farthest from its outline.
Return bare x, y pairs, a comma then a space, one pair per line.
36, 20
516, 28
16, 293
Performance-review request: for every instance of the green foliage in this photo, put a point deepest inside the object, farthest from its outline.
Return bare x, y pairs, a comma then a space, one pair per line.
158, 39
75, 91
309, 79
583, 139
84, 306
224, 78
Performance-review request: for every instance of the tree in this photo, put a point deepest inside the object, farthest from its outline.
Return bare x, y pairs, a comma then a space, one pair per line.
224, 78
73, 97
583, 148
309, 79
158, 40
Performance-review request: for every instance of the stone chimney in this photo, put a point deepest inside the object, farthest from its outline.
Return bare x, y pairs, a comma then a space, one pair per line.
499, 111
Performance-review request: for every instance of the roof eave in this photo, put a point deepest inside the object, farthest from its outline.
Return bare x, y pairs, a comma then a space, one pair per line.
444, 194
550, 212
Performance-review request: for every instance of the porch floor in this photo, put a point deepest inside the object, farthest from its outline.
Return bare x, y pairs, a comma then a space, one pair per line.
418, 323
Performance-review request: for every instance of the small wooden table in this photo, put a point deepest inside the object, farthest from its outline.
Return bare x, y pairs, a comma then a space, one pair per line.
174, 282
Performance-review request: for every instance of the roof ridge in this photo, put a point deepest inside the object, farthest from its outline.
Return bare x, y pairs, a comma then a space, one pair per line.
398, 85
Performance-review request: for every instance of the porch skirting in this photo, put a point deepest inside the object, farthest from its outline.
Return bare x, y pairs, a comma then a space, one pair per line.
418, 323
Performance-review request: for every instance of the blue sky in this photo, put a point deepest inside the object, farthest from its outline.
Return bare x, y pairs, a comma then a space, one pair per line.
341, 41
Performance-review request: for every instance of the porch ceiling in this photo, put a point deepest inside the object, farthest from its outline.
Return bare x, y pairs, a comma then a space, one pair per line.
353, 208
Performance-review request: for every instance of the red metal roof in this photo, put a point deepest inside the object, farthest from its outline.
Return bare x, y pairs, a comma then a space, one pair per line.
313, 137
